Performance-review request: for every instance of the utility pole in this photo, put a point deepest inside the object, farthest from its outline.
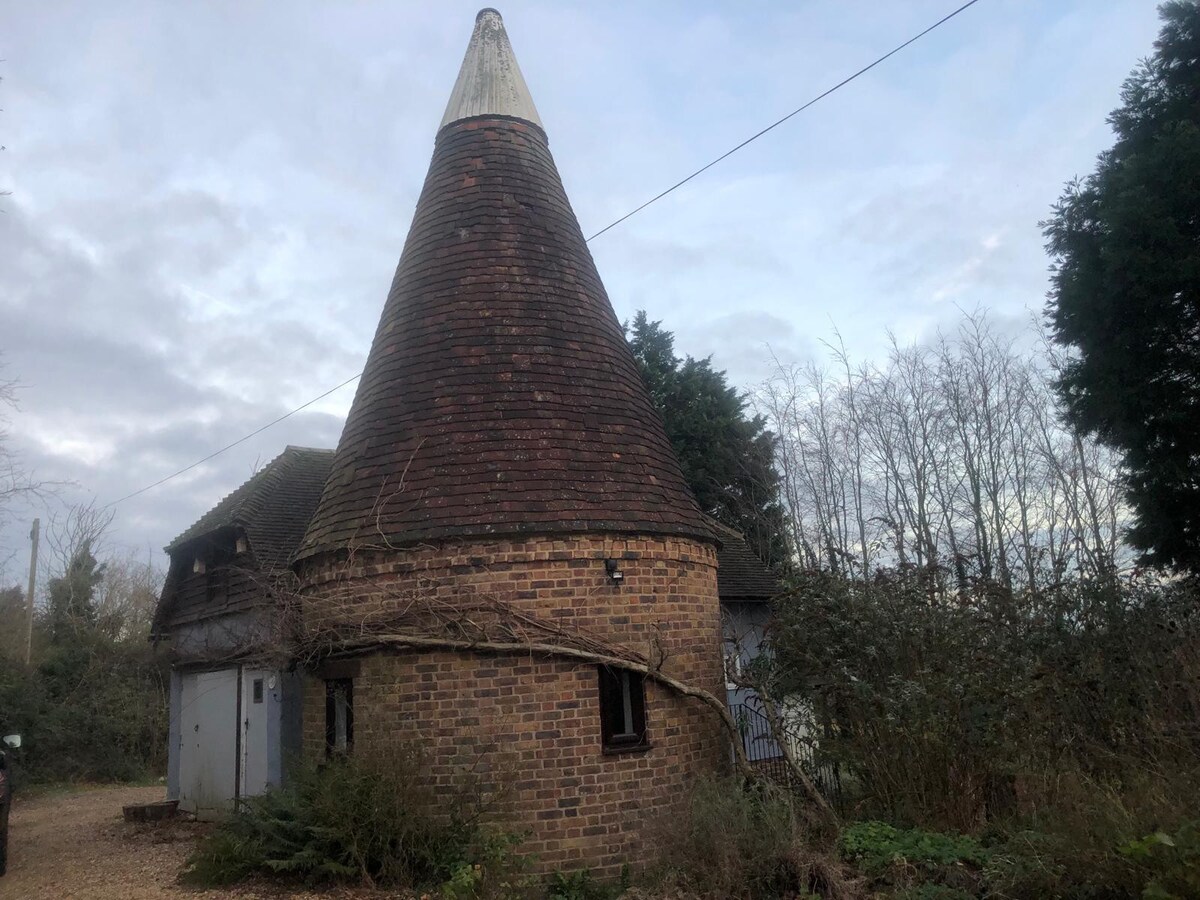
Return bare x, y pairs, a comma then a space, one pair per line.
33, 536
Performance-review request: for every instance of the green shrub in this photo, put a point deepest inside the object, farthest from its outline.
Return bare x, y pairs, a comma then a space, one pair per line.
1069, 846
877, 846
92, 709
348, 821
581, 886
1172, 862
921, 864
492, 870
950, 705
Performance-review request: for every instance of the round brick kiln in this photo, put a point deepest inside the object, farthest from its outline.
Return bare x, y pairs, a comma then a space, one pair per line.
503, 476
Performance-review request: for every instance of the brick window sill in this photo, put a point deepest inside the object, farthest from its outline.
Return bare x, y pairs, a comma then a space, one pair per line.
622, 749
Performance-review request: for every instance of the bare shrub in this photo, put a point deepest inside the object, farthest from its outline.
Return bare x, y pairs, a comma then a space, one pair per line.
739, 840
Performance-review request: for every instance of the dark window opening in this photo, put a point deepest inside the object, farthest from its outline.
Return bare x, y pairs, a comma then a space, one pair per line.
258, 690
216, 574
215, 585
622, 710
339, 715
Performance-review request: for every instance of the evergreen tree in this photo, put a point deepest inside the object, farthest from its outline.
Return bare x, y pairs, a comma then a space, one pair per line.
727, 456
70, 595
1125, 293
12, 622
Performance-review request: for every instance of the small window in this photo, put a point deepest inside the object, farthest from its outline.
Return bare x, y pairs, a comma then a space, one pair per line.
733, 664
216, 584
622, 710
258, 690
339, 715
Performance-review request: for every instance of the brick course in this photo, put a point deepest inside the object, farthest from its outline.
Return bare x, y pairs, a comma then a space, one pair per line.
533, 723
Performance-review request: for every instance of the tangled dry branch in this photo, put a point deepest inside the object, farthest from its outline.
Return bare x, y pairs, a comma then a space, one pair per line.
486, 624
468, 621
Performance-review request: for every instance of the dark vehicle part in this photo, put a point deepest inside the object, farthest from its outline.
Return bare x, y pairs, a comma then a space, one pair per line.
10, 742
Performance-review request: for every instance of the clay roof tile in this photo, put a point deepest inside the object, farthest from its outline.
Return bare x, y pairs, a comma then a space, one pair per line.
500, 395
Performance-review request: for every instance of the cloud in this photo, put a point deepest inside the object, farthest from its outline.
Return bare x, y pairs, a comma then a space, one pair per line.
208, 200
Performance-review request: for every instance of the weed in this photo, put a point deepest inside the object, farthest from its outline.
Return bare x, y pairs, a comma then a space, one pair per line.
492, 871
877, 846
581, 886
1172, 862
733, 840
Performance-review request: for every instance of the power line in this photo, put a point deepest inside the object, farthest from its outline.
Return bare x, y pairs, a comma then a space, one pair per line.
778, 122
240, 440
614, 224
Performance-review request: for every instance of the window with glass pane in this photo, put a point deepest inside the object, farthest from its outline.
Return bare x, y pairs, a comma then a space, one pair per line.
339, 715
622, 710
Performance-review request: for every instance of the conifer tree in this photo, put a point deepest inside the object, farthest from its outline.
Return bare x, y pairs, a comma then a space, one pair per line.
1125, 293
726, 454
70, 595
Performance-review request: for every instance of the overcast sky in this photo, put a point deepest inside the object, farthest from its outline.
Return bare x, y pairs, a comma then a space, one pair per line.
208, 199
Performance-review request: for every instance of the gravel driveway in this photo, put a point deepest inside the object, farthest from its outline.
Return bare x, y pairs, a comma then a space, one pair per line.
75, 845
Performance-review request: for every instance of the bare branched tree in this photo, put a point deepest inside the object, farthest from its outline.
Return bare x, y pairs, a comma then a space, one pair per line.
17, 483
84, 525
948, 456
127, 596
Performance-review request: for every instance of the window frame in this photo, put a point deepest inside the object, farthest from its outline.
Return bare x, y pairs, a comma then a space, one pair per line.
332, 688
622, 693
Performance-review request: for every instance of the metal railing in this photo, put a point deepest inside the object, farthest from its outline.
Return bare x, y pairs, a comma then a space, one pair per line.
765, 754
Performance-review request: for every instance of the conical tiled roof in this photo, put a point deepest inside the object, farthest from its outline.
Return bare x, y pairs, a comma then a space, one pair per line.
500, 396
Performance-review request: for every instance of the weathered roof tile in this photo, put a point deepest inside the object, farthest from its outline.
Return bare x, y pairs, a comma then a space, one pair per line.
500, 395
273, 507
741, 575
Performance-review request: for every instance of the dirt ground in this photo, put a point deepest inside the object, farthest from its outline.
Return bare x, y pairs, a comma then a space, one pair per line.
73, 844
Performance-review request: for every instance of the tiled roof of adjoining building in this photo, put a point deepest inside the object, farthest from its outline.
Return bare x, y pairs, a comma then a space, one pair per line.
273, 507
741, 575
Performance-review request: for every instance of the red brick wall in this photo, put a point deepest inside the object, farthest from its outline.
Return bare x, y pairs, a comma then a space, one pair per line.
532, 724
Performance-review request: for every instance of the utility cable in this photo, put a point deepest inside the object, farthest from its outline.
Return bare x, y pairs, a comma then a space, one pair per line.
611, 225
240, 440
778, 122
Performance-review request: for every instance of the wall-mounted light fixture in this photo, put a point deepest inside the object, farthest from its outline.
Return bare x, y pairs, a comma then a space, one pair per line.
242, 545
611, 570
198, 566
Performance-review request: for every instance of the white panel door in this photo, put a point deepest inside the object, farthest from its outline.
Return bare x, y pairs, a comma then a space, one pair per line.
256, 704
208, 723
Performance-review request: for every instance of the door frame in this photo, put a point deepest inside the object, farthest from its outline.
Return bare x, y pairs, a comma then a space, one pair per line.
241, 684
246, 679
